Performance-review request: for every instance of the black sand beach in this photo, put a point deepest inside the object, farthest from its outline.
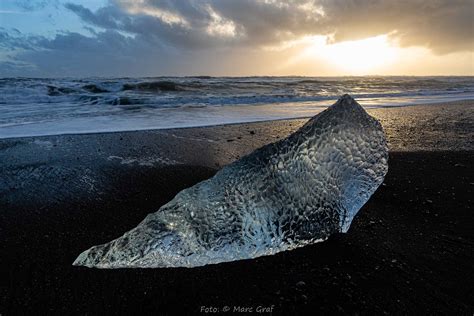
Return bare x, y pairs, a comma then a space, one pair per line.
409, 250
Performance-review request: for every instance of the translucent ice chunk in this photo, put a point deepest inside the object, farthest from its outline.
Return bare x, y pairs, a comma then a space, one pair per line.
288, 194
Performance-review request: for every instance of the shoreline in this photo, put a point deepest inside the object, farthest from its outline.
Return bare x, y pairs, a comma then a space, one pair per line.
369, 109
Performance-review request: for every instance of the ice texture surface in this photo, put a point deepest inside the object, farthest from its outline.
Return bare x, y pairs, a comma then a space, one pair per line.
284, 195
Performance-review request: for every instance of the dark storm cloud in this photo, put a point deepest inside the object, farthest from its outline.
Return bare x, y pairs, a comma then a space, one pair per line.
191, 35
442, 25
11, 40
255, 22
109, 53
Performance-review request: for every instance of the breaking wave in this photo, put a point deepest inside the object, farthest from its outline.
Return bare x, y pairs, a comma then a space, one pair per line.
164, 102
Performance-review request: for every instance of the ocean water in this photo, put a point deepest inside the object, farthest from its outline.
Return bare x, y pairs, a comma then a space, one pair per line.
34, 107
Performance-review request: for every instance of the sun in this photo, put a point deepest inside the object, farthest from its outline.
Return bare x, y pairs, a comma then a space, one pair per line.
359, 57
362, 55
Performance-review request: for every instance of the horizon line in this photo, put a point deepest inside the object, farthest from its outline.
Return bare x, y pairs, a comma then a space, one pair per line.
228, 76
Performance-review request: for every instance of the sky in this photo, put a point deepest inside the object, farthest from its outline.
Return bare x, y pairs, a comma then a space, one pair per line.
56, 38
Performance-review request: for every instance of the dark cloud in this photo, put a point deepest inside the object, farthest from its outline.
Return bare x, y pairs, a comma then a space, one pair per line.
29, 5
109, 53
14, 40
254, 22
442, 25
191, 35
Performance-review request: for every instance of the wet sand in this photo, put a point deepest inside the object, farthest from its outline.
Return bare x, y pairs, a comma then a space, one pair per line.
409, 250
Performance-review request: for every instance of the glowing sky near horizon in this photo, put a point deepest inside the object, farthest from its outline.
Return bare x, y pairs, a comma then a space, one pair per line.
226, 37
